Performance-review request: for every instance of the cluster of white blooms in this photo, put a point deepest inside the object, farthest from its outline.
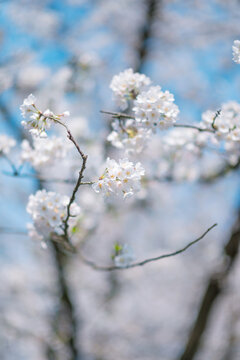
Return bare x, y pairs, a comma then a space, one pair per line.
120, 178
45, 151
226, 123
48, 210
178, 154
155, 108
6, 143
236, 51
127, 85
129, 136
124, 256
36, 121
178, 140
152, 108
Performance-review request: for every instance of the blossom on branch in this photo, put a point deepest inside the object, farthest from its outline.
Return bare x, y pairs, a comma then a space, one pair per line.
155, 108
129, 136
36, 121
226, 123
123, 256
48, 211
120, 178
127, 85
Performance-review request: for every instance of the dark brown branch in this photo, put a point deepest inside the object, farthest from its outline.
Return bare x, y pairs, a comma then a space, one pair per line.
65, 321
80, 175
146, 33
213, 289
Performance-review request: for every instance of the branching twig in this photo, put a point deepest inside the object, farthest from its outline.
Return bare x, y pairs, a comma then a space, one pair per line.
218, 112
141, 263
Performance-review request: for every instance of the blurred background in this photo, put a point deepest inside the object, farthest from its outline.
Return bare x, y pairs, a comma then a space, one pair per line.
54, 307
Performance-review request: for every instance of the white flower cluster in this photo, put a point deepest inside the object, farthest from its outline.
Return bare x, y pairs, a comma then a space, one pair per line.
127, 85
227, 123
48, 210
152, 108
6, 143
179, 140
236, 51
120, 178
129, 136
36, 121
178, 154
45, 151
155, 108
124, 257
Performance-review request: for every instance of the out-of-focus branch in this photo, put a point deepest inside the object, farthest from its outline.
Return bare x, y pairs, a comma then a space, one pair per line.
45, 180
146, 261
146, 33
65, 323
222, 172
214, 288
21, 332
233, 338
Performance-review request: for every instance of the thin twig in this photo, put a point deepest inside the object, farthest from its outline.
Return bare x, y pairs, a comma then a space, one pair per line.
146, 261
218, 112
118, 115
80, 176
188, 126
111, 268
